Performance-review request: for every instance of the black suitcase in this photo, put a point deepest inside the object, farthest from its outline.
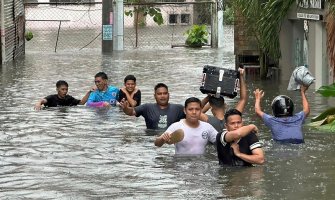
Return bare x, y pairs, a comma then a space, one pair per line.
220, 81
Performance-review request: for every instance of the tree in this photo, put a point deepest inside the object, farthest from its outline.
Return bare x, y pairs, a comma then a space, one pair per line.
141, 8
263, 20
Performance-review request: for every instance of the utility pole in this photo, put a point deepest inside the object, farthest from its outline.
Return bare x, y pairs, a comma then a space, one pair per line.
118, 24
107, 26
220, 23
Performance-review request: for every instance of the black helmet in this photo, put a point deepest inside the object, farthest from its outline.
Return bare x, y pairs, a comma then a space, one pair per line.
282, 106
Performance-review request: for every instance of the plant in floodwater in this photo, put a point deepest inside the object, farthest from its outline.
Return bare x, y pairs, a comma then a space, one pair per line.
197, 36
29, 35
140, 11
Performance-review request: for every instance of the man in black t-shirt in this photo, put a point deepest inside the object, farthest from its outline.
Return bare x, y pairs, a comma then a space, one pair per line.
61, 98
130, 92
238, 145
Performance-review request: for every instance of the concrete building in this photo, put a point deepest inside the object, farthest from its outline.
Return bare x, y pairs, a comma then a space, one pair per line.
303, 42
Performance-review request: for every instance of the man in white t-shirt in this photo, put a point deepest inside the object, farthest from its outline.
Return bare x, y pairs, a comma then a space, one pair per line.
196, 133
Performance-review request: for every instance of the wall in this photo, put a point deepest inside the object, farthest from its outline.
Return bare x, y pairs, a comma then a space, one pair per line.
293, 31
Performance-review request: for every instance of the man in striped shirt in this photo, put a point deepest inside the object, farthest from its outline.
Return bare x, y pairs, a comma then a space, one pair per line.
238, 145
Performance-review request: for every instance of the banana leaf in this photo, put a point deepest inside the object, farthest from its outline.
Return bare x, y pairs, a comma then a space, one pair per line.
317, 123
327, 90
328, 127
323, 115
322, 125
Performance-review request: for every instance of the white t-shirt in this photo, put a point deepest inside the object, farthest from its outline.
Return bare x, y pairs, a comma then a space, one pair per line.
195, 139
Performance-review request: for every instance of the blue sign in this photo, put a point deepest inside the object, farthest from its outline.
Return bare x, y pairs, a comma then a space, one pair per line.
107, 32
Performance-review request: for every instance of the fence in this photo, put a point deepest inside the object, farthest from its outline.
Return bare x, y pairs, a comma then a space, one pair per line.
70, 26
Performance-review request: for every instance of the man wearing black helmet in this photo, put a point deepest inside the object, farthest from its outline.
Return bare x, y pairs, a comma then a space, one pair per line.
285, 126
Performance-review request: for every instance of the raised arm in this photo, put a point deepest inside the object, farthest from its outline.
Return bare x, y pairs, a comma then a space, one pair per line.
130, 97
304, 100
259, 94
126, 108
39, 104
237, 134
84, 99
205, 105
243, 92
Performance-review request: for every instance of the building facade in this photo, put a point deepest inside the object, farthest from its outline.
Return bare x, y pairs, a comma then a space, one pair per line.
303, 41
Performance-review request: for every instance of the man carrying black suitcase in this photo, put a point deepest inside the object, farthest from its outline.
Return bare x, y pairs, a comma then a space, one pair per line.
218, 106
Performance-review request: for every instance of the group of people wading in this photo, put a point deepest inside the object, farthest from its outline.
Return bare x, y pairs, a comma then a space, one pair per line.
237, 143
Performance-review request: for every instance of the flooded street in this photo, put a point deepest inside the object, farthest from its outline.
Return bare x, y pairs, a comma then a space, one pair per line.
86, 153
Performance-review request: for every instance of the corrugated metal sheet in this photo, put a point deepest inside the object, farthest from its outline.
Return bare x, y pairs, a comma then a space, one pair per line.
18, 8
14, 29
9, 16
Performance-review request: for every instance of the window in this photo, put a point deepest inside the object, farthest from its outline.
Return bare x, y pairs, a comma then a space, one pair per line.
185, 18
173, 18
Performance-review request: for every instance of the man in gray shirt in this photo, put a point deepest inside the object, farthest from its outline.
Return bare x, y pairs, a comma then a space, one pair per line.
157, 115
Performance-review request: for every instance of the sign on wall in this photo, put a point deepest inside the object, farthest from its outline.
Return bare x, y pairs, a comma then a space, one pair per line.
319, 4
309, 16
107, 32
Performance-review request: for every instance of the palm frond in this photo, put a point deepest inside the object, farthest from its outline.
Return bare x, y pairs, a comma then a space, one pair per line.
273, 14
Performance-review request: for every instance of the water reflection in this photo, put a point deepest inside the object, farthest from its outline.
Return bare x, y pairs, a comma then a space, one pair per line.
242, 182
85, 153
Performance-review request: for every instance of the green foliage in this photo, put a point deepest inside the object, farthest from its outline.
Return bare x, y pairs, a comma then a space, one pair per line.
228, 15
197, 36
129, 13
327, 91
263, 19
29, 35
328, 127
331, 6
153, 12
326, 120
143, 10
323, 125
270, 25
324, 114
